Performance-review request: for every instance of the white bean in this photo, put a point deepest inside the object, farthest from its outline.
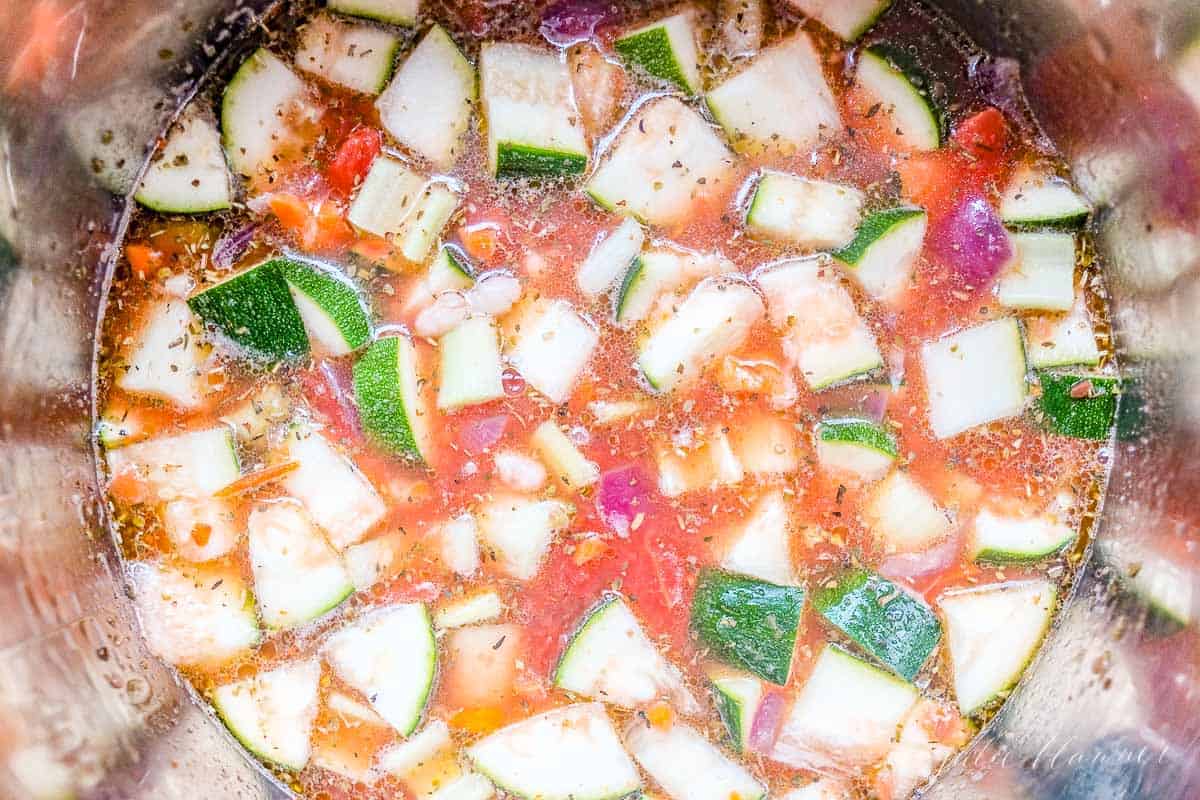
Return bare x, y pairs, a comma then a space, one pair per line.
447, 311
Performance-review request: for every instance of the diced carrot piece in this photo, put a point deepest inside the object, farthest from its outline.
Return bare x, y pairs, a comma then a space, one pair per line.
143, 259
661, 716
478, 720
201, 533
480, 241
372, 248
128, 486
590, 548
256, 479
292, 212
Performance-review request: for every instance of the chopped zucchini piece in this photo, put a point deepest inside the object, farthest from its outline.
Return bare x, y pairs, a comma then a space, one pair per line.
903, 515
254, 111
818, 215
1062, 340
760, 547
665, 49
686, 765
738, 696
272, 713
748, 623
533, 126
428, 105
780, 102
552, 348
823, 332
891, 76
1005, 539
332, 310
1079, 406
610, 258
1042, 276
849, 19
388, 391
471, 369
520, 530
562, 456
1038, 198
855, 447
254, 310
395, 12
189, 175
884, 251
665, 162
975, 376
992, 633
397, 204
165, 359
358, 57
897, 629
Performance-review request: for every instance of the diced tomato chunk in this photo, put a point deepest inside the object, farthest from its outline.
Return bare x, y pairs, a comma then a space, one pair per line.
353, 159
983, 135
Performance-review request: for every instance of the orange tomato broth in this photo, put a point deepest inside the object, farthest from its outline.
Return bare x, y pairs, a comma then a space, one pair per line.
542, 233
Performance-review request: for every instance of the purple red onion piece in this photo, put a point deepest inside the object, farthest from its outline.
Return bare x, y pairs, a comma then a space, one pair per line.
229, 248
915, 565
766, 723
570, 21
478, 436
972, 241
621, 494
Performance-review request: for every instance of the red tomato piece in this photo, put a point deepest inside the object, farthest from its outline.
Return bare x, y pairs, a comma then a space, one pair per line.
353, 158
984, 135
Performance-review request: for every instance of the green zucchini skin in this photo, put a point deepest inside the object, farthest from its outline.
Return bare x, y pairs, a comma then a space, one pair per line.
255, 310
899, 632
1087, 417
519, 160
747, 622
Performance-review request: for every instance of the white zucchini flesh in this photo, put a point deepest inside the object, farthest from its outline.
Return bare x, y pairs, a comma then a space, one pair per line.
882, 262
845, 715
855, 448
902, 514
1041, 276
569, 753
687, 766
563, 458
519, 531
184, 517
813, 214
530, 111
165, 360
371, 561
553, 347
396, 203
1060, 340
472, 610
714, 320
481, 663
849, 19
610, 258
974, 377
738, 696
193, 465
470, 364
824, 335
1038, 197
396, 12
272, 713
659, 272
639, 176
760, 548
190, 175
912, 115
254, 111
390, 657
781, 101
992, 633
358, 57
610, 658
297, 575
1000, 537
427, 107
193, 616
471, 786
337, 496
459, 539
409, 756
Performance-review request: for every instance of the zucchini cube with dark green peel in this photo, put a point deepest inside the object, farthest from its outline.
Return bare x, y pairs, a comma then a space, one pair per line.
1079, 406
665, 49
387, 391
897, 629
331, 308
255, 310
748, 623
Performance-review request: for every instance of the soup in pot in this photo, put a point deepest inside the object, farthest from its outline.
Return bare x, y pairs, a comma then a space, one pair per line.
701, 401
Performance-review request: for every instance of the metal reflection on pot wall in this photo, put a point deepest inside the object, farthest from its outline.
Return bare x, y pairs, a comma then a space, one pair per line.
1109, 709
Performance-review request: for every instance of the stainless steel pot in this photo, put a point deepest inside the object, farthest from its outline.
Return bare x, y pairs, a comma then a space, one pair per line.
1111, 708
